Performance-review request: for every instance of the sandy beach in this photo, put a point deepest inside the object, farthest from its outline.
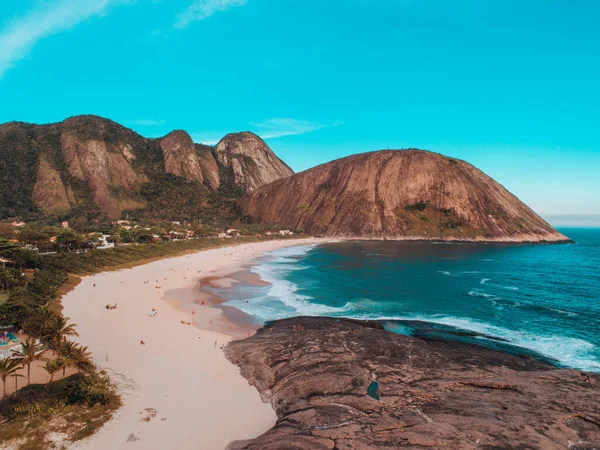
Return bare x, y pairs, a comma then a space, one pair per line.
179, 391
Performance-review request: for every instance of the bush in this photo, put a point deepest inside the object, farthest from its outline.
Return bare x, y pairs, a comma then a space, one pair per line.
416, 207
41, 400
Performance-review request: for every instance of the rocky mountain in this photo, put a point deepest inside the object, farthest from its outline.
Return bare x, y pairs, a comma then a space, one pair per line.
252, 161
398, 194
346, 384
87, 165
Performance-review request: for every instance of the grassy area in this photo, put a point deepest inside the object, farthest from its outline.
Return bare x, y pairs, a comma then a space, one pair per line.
69, 409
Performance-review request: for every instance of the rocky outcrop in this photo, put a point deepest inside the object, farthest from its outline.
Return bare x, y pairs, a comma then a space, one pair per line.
210, 168
429, 394
105, 168
252, 161
401, 194
180, 156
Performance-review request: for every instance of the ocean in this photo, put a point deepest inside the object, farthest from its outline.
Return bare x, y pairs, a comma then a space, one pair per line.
536, 300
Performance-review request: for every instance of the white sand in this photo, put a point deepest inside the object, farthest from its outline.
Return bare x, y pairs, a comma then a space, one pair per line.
202, 401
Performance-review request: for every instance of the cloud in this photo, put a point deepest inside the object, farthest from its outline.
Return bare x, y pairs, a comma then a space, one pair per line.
146, 122
275, 128
22, 33
201, 9
268, 129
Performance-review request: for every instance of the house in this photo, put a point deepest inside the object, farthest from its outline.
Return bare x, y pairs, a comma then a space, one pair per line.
232, 232
285, 232
53, 239
4, 261
222, 235
18, 224
65, 224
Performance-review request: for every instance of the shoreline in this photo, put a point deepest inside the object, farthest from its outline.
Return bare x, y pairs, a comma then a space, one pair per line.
178, 389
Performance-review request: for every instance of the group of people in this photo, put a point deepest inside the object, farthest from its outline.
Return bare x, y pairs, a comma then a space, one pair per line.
109, 306
586, 378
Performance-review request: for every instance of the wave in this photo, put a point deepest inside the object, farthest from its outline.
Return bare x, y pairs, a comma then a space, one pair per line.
445, 272
567, 351
484, 280
281, 299
475, 293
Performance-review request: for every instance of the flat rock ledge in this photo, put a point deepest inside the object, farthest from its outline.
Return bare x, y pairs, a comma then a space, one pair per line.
432, 394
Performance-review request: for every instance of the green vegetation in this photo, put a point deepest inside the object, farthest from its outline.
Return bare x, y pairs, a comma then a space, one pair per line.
426, 220
421, 206
73, 407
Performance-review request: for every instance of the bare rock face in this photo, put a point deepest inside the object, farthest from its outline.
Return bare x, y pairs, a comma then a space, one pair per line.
105, 167
49, 191
252, 161
398, 194
210, 168
430, 394
180, 156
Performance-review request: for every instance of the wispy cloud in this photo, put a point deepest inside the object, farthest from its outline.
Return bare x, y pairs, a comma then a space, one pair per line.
201, 9
267, 129
22, 33
275, 128
146, 122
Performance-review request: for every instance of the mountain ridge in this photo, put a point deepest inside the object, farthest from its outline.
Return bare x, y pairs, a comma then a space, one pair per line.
89, 165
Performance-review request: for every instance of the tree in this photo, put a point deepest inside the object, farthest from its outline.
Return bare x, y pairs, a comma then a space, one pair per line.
52, 367
69, 238
10, 279
8, 367
30, 351
67, 351
57, 328
82, 358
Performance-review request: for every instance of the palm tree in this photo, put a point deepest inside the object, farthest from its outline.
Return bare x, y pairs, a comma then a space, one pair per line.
52, 367
16, 376
8, 367
67, 351
82, 358
58, 328
30, 351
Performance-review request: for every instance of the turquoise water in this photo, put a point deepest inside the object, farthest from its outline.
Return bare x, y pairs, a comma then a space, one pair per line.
535, 299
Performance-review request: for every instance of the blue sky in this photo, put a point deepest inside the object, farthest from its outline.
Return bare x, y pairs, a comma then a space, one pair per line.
511, 86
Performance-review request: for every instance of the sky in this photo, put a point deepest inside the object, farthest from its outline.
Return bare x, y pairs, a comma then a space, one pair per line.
511, 86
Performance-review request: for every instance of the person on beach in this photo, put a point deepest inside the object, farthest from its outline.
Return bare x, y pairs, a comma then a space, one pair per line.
142, 342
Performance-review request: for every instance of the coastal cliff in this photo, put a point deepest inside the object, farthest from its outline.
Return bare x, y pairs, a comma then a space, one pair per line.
398, 194
318, 374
